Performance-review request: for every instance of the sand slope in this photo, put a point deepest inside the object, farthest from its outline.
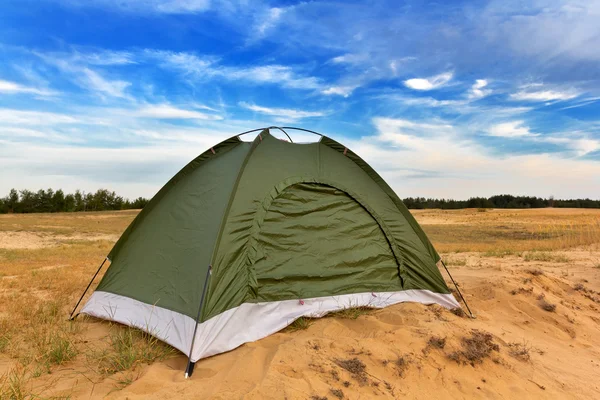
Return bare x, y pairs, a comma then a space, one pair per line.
564, 347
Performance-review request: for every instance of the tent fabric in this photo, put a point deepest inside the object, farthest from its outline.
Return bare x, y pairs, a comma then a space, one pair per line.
282, 225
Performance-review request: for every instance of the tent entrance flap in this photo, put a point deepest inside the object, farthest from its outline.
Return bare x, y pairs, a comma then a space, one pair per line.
315, 240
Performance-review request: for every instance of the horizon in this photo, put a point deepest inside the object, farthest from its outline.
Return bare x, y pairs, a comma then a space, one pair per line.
444, 101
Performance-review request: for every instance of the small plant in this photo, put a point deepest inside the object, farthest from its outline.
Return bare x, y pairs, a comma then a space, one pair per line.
351, 312
13, 385
458, 312
356, 367
60, 349
460, 262
535, 272
402, 363
547, 306
475, 348
300, 324
437, 341
520, 351
130, 347
337, 393
521, 290
579, 287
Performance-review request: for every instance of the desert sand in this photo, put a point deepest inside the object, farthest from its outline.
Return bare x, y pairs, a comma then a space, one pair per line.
531, 277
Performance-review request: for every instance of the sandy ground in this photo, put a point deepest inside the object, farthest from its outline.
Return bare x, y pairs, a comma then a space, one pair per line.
560, 355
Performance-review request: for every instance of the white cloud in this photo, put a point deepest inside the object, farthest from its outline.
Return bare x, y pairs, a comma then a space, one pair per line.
433, 82
283, 114
513, 129
76, 66
537, 92
349, 58
204, 68
581, 146
147, 6
166, 111
12, 87
273, 16
93, 81
19, 117
443, 164
478, 89
344, 91
105, 57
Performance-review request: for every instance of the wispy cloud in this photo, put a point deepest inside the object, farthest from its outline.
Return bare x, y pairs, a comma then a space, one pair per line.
538, 92
12, 87
272, 17
581, 146
20, 117
512, 129
433, 82
209, 68
283, 114
146, 6
93, 81
76, 66
166, 111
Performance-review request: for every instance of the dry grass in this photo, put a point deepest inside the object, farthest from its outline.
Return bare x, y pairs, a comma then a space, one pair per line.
475, 348
128, 347
520, 351
545, 256
436, 341
351, 312
299, 324
501, 233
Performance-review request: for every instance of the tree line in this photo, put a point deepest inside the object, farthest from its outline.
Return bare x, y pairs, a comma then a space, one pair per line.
49, 201
499, 201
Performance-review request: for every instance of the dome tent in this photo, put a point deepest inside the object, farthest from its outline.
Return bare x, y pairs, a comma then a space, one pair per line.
250, 236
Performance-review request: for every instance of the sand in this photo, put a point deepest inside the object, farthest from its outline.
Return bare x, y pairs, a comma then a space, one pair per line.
561, 359
563, 346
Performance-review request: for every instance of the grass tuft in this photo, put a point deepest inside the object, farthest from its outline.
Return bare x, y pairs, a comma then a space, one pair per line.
337, 393
351, 312
437, 341
520, 351
299, 324
58, 349
130, 347
535, 272
459, 312
475, 348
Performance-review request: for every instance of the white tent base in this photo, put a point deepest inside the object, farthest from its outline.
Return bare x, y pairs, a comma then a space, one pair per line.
245, 323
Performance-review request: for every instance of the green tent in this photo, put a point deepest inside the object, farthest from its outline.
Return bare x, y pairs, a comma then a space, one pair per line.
249, 237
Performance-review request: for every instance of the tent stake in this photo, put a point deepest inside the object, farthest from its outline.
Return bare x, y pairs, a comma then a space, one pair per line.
457, 289
71, 317
189, 370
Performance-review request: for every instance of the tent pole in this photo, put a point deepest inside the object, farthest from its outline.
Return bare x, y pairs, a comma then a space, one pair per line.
71, 317
189, 370
457, 289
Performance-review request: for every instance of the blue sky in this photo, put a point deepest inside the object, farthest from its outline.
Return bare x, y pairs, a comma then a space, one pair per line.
445, 99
